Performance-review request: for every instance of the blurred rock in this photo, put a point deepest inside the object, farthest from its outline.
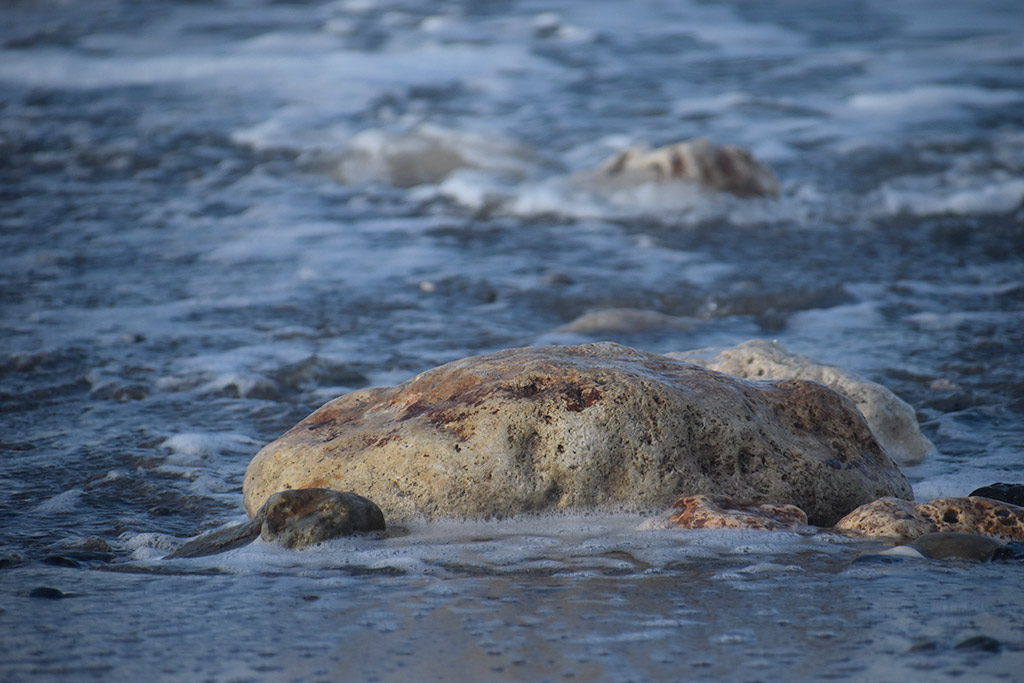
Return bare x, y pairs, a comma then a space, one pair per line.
957, 546
723, 168
905, 521
891, 419
598, 426
720, 512
624, 321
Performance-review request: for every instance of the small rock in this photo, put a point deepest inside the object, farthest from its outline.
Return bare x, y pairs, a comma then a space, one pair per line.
721, 512
47, 593
78, 558
91, 543
1007, 493
295, 518
624, 321
219, 541
303, 517
980, 644
905, 521
959, 546
724, 168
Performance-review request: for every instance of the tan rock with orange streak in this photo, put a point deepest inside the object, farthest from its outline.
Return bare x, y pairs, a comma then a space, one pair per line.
593, 427
721, 512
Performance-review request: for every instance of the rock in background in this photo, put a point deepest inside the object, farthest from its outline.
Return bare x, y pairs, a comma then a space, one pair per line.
598, 426
699, 162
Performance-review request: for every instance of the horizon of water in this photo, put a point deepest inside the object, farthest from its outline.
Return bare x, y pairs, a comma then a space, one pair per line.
217, 217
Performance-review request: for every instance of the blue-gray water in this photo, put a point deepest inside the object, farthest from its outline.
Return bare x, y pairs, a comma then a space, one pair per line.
203, 240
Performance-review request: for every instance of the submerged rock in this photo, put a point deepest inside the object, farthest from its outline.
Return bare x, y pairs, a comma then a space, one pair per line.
294, 519
303, 517
891, 419
955, 545
906, 521
581, 427
721, 512
1007, 493
724, 168
624, 321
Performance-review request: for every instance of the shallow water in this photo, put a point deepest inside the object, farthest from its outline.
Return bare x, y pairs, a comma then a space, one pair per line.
190, 267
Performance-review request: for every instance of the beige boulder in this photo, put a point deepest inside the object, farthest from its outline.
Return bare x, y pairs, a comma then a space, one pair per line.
597, 426
905, 521
722, 512
892, 420
699, 162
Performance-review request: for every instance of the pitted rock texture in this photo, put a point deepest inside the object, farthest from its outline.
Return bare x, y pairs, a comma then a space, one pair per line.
724, 168
905, 521
891, 419
597, 426
721, 512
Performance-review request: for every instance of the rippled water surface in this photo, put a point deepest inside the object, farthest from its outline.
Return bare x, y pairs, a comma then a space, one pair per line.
215, 217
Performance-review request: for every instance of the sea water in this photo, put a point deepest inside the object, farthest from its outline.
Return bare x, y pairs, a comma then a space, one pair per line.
215, 217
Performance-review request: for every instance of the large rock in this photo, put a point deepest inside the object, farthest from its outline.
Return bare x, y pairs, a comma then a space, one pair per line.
598, 426
699, 162
891, 419
905, 521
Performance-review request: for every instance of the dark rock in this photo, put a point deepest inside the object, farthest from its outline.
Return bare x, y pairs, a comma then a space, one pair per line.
1007, 493
11, 560
1010, 551
980, 644
47, 593
960, 546
91, 543
219, 541
78, 558
295, 518
303, 517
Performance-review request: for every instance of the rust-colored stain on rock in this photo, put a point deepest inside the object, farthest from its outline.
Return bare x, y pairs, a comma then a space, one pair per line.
904, 520
597, 426
721, 512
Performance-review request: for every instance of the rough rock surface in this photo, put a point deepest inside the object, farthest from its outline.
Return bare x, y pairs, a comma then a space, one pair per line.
905, 521
725, 168
891, 419
294, 519
721, 512
597, 426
